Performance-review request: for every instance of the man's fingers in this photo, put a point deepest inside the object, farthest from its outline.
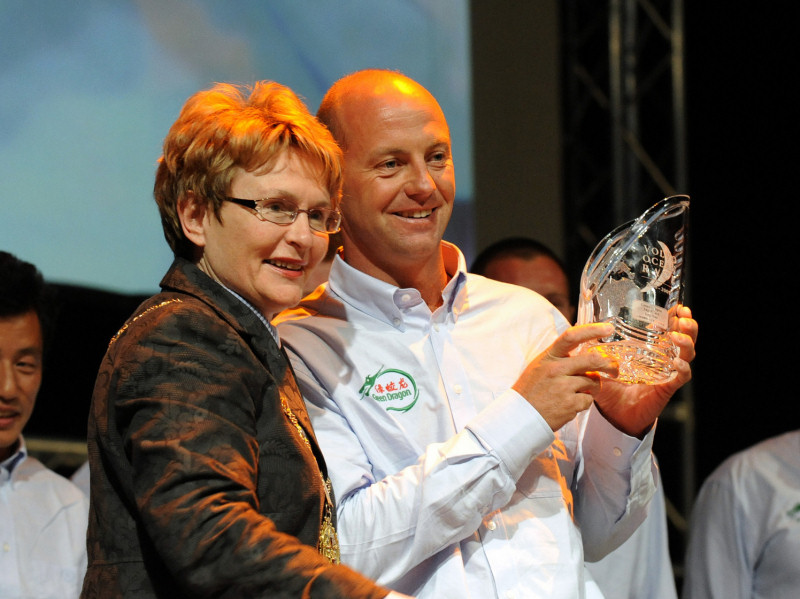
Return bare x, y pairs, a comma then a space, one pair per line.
681, 321
685, 345
574, 336
589, 363
584, 401
579, 372
590, 383
684, 334
688, 326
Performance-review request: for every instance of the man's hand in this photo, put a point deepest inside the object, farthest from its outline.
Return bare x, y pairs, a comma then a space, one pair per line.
634, 408
560, 385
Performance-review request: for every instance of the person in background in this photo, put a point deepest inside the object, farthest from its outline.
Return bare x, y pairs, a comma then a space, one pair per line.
205, 474
472, 454
528, 263
640, 568
744, 533
42, 514
320, 273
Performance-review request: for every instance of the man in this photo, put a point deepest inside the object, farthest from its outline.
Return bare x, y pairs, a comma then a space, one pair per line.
640, 567
744, 539
320, 272
450, 411
529, 263
42, 515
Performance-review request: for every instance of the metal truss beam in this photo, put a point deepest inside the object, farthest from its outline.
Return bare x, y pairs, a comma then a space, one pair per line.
624, 149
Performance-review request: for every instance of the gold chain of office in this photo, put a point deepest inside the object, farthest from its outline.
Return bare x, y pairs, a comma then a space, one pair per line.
328, 538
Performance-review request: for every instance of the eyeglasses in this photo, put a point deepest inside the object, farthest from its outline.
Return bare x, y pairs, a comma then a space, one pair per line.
284, 212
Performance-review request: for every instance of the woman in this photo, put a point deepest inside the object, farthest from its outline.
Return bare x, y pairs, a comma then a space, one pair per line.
206, 479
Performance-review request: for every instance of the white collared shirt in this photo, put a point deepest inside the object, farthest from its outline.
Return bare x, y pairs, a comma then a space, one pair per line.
449, 484
43, 519
744, 540
640, 568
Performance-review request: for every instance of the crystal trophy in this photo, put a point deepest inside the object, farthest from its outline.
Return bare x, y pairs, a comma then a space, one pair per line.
633, 279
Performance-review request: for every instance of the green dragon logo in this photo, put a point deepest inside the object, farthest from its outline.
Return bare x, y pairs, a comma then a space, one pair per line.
393, 388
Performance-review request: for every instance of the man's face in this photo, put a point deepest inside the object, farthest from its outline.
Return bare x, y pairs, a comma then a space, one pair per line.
399, 183
20, 375
542, 274
266, 263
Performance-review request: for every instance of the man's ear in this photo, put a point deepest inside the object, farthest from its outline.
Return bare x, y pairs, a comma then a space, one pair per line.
193, 213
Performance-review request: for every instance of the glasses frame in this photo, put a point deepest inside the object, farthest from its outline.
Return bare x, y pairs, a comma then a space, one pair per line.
254, 205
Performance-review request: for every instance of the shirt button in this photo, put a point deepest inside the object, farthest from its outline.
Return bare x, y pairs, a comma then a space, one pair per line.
405, 297
457, 389
511, 595
6, 547
396, 322
436, 327
491, 525
617, 451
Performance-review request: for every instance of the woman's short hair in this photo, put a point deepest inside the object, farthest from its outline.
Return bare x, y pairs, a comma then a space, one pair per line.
230, 126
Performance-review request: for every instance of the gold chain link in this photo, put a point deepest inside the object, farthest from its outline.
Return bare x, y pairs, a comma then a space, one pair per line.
328, 538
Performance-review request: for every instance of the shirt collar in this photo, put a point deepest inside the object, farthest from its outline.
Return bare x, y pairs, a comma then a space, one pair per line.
388, 302
7, 466
454, 293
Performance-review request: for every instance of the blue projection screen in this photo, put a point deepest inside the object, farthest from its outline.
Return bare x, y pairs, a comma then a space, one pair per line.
89, 89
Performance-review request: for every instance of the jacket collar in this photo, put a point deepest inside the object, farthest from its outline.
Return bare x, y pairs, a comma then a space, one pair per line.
184, 277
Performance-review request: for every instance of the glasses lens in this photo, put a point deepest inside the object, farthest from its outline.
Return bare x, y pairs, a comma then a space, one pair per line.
278, 211
284, 212
333, 222
324, 220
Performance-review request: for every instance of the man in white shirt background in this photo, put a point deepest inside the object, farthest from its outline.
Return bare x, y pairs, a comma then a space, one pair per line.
744, 533
43, 516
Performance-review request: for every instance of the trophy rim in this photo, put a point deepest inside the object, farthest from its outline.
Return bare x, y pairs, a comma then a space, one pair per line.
635, 228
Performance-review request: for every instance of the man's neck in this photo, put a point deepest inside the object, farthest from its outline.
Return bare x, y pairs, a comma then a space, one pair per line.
429, 278
430, 286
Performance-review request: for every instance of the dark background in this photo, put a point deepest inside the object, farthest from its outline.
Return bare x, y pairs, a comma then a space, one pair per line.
742, 104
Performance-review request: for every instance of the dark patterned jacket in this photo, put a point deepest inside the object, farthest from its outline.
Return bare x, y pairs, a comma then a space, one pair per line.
201, 486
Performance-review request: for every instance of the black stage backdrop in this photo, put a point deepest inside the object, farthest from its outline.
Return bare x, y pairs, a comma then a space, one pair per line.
742, 106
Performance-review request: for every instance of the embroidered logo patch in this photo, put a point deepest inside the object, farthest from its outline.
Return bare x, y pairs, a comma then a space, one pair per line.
794, 513
394, 389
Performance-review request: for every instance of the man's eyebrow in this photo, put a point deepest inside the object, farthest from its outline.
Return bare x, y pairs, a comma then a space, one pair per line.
29, 351
389, 150
443, 144
394, 150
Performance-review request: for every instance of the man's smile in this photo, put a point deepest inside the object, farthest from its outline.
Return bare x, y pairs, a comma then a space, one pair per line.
416, 213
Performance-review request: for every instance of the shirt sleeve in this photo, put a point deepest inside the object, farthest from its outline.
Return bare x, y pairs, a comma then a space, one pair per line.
641, 566
614, 483
390, 524
718, 563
